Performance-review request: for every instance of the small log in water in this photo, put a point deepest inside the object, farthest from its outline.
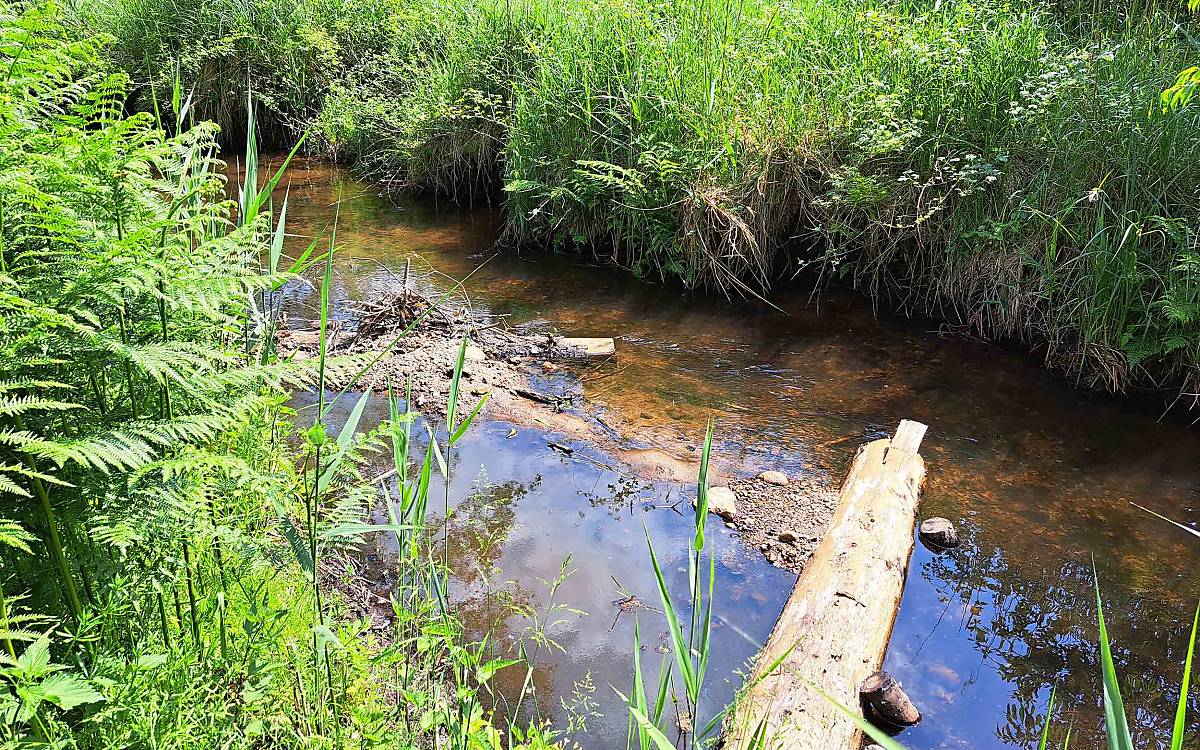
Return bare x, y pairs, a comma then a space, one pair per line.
883, 699
835, 627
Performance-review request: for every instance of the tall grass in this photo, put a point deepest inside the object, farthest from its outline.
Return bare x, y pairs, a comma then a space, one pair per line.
1006, 167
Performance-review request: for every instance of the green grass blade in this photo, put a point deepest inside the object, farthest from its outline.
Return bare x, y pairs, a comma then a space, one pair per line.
276, 249
345, 439
1042, 744
656, 735
1180, 725
682, 655
326, 283
466, 423
452, 399
875, 733
1115, 725
639, 687
702, 490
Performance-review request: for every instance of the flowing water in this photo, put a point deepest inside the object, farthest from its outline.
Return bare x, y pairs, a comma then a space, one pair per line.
1039, 477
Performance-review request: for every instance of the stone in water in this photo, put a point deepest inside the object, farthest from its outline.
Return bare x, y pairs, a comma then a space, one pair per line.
774, 477
938, 533
721, 502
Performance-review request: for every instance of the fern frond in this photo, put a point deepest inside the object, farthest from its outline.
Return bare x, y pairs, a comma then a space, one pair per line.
20, 405
13, 534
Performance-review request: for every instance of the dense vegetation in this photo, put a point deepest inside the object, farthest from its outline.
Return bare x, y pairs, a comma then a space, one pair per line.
171, 538
1006, 166
170, 567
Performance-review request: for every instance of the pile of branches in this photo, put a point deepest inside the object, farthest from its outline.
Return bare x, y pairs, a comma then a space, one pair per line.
388, 315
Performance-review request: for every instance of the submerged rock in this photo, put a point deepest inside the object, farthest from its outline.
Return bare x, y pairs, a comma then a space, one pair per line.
774, 477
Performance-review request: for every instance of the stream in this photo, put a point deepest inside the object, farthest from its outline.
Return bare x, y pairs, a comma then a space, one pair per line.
1038, 477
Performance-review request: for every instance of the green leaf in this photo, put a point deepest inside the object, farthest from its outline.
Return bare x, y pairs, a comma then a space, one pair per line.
486, 671
1115, 725
1180, 725
344, 440
682, 655
466, 423
878, 735
67, 691
1042, 744
300, 549
276, 249
702, 490
655, 734
452, 400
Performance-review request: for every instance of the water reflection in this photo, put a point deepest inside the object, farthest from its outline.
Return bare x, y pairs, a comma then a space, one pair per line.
542, 551
1039, 476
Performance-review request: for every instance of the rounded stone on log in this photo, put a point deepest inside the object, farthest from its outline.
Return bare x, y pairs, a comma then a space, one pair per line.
883, 696
938, 534
774, 477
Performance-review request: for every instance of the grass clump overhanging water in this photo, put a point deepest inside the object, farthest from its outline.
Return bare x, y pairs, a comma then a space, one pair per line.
1010, 167
171, 542
1004, 166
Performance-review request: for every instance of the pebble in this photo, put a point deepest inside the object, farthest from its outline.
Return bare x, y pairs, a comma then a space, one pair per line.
721, 502
774, 477
788, 537
549, 367
474, 354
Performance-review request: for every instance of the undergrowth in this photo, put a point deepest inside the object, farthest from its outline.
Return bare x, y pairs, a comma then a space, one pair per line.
173, 533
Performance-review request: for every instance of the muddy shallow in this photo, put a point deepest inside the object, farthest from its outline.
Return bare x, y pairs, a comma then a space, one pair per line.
1038, 476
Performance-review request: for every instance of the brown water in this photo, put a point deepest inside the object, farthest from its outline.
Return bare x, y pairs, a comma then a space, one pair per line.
1038, 476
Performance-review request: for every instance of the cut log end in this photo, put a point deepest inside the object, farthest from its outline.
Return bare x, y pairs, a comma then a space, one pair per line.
883, 698
908, 436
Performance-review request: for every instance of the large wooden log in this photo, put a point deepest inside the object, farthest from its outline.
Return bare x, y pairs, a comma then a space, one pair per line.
835, 627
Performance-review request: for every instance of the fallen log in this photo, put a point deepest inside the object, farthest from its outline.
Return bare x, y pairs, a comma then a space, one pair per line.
835, 627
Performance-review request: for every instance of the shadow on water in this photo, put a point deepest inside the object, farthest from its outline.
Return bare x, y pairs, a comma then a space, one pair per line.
1039, 476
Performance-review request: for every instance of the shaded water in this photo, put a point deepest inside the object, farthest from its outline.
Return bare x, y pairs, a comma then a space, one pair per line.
1038, 476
